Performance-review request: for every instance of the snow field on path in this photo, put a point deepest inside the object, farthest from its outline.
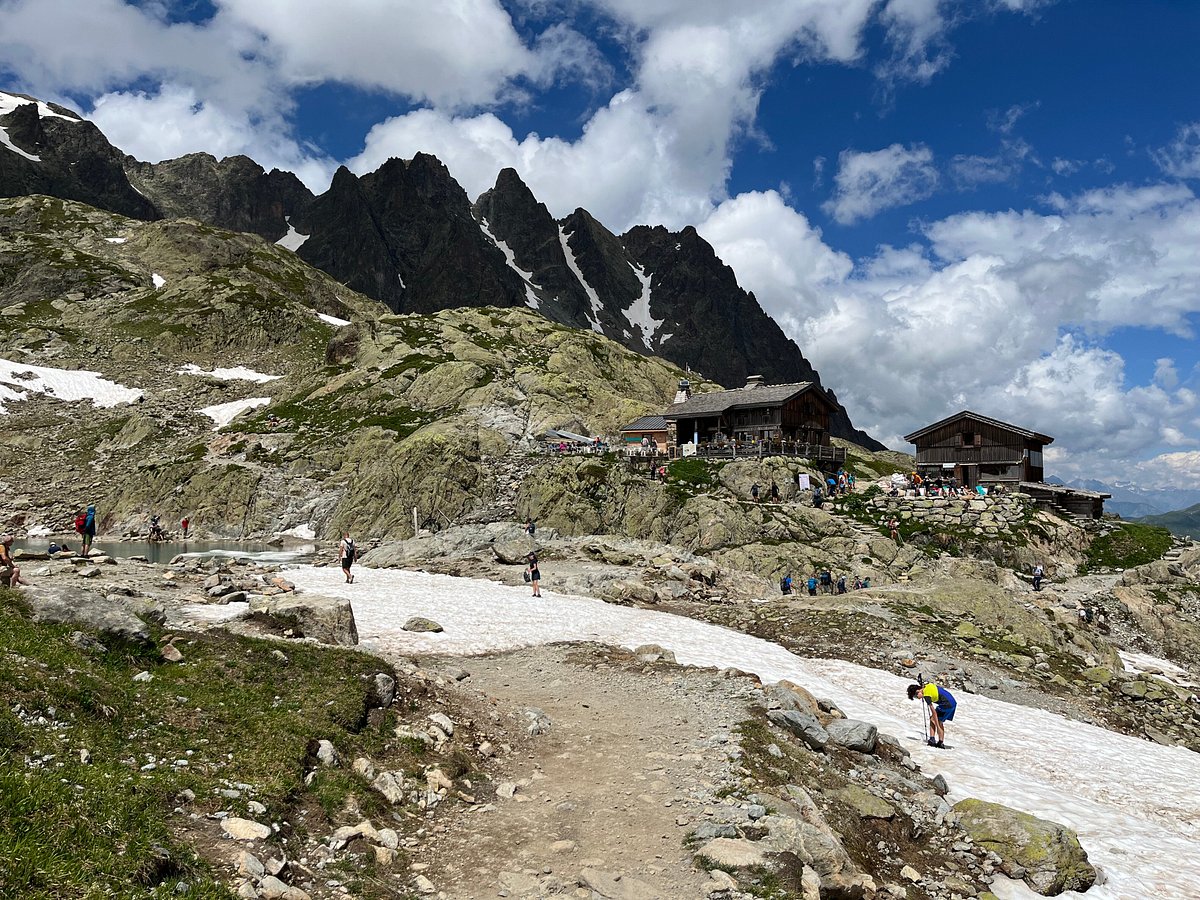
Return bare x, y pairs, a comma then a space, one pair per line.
224, 413
1136, 805
237, 373
18, 381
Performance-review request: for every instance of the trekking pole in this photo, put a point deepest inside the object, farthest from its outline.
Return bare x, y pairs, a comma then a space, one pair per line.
921, 710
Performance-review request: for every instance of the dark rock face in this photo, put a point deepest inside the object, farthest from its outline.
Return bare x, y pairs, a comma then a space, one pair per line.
234, 193
348, 244
75, 162
405, 234
512, 215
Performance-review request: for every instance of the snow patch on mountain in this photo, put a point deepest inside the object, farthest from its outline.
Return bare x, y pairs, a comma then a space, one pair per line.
333, 320
9, 102
18, 381
593, 297
237, 373
531, 297
293, 240
638, 313
224, 413
7, 142
158, 280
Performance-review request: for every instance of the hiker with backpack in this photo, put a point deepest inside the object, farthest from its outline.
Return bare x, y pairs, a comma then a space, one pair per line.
347, 553
88, 529
941, 704
785, 585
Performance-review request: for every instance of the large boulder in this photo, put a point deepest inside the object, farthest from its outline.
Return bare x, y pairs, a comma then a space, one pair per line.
813, 845
62, 604
329, 620
802, 725
853, 734
513, 552
1046, 855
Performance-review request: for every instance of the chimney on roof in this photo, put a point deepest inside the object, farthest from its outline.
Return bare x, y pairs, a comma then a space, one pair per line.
684, 393
754, 381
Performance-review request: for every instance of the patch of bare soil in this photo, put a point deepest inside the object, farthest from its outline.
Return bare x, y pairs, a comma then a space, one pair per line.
635, 755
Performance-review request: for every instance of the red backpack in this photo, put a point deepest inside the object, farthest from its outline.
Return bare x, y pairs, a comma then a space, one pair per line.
80, 521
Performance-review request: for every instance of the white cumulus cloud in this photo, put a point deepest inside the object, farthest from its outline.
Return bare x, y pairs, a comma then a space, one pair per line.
867, 183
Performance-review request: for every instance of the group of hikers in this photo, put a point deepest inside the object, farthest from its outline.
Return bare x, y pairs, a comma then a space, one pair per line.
827, 582
917, 485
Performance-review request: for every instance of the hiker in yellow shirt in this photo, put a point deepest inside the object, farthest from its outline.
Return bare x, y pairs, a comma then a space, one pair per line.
941, 709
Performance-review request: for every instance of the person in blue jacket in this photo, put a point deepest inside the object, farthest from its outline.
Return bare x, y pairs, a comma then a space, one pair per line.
89, 530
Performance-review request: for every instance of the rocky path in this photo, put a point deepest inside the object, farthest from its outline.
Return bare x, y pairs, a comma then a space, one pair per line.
634, 757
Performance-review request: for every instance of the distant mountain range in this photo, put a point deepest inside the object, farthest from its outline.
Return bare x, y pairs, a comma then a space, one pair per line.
1183, 522
408, 235
1130, 501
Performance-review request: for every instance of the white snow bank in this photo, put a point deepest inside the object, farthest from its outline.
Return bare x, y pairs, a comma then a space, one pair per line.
1145, 664
224, 413
304, 532
39, 531
333, 320
1134, 803
237, 373
158, 280
293, 240
18, 381
116, 240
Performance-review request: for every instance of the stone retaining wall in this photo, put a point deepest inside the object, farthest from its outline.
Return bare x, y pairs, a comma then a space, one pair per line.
983, 516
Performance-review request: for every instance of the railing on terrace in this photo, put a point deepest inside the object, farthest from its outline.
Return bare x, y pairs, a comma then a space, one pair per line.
816, 452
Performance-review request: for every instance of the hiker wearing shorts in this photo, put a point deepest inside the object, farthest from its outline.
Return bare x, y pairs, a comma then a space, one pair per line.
533, 574
941, 705
347, 553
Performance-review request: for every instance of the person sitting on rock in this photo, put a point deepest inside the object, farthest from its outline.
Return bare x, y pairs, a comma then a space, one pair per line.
10, 572
941, 705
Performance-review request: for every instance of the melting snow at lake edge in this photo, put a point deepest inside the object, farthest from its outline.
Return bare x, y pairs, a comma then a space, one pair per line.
1135, 804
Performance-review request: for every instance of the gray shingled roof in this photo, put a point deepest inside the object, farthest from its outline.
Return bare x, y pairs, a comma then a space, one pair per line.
647, 423
719, 401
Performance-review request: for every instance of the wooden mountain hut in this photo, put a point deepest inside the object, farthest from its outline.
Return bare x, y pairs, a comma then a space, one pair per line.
976, 449
788, 416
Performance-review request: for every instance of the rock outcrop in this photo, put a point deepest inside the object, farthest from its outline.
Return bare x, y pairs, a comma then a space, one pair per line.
1045, 855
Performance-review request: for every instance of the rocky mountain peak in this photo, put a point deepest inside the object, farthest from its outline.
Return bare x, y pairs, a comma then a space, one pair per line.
234, 192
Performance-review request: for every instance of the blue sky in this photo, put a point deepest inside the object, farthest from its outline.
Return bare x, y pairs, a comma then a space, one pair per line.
946, 203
